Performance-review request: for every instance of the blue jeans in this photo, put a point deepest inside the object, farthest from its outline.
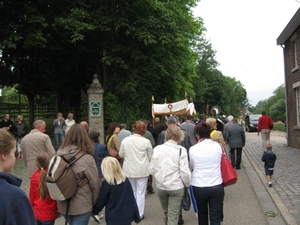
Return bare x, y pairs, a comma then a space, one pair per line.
82, 219
58, 139
209, 200
40, 222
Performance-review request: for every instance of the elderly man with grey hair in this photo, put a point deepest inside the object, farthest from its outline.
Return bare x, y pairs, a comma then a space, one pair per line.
34, 143
186, 143
236, 140
225, 132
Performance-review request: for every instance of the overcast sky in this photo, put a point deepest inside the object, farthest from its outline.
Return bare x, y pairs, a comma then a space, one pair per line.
244, 35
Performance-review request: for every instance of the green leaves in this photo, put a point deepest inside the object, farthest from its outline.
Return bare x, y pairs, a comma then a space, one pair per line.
271, 213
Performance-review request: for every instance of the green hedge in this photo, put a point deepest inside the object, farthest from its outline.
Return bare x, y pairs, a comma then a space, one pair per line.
279, 127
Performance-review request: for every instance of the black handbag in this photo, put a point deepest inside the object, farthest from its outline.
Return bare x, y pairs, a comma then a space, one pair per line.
186, 198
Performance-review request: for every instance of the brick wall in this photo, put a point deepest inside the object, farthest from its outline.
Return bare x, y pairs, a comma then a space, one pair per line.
291, 77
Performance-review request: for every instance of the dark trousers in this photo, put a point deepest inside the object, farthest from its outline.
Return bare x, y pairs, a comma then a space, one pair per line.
39, 222
209, 200
236, 161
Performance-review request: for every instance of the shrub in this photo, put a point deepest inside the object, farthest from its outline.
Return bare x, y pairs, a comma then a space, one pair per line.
279, 127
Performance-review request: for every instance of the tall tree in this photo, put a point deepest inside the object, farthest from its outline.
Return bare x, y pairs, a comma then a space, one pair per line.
139, 48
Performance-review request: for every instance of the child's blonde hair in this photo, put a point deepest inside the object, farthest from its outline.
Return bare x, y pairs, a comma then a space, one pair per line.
42, 162
112, 171
269, 147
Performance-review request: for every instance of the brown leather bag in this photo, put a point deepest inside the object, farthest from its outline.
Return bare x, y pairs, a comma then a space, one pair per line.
111, 148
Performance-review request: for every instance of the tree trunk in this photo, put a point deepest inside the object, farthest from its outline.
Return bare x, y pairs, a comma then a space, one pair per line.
76, 108
30, 98
58, 100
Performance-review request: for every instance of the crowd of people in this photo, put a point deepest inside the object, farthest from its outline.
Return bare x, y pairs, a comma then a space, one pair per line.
117, 174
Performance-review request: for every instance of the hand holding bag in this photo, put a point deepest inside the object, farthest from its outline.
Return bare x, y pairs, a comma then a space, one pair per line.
186, 198
229, 175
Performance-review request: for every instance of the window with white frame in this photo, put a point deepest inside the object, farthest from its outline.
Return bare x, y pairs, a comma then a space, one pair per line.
294, 51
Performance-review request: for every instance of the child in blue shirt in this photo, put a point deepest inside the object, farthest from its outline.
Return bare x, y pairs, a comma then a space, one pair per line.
269, 159
116, 195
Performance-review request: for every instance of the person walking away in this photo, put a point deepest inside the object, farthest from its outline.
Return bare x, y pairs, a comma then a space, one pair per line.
236, 139
69, 122
35, 142
207, 182
215, 135
59, 124
112, 140
265, 124
15, 207
116, 195
20, 131
188, 126
149, 136
173, 158
158, 126
123, 132
44, 207
85, 125
225, 132
152, 131
136, 150
85, 170
7, 124
186, 143
100, 152
269, 158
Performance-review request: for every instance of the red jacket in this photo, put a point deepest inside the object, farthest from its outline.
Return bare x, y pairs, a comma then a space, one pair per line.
45, 210
264, 122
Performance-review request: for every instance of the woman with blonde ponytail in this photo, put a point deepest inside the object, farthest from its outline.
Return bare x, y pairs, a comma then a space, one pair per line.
44, 207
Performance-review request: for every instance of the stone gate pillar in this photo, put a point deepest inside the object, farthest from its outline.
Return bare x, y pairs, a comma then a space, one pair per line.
95, 101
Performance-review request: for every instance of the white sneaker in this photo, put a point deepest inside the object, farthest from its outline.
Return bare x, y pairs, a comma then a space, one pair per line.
98, 218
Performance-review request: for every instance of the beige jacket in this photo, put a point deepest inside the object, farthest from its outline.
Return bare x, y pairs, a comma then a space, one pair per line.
32, 144
218, 137
86, 196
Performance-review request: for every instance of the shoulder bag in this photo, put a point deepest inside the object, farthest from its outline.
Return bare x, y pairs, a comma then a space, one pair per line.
229, 175
186, 198
111, 149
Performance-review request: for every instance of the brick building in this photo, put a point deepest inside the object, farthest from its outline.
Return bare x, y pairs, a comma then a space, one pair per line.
289, 40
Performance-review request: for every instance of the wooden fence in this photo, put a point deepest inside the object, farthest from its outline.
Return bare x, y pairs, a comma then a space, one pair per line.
22, 109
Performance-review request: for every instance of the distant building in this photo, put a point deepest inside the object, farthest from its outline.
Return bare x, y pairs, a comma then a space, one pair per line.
289, 40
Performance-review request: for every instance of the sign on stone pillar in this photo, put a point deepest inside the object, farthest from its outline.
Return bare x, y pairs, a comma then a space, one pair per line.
95, 98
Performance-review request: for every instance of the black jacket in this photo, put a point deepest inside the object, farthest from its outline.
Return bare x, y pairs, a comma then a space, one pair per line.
269, 158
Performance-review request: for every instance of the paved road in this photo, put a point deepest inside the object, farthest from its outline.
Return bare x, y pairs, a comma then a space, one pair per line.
247, 200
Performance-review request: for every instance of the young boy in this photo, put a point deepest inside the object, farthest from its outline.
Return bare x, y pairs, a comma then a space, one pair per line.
269, 159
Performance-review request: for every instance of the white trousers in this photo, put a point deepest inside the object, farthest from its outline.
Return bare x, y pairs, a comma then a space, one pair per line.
139, 186
265, 135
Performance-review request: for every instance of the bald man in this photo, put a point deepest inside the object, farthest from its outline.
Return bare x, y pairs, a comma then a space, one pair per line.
85, 125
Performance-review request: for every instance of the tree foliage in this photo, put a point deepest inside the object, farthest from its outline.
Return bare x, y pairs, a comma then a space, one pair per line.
139, 48
274, 105
212, 87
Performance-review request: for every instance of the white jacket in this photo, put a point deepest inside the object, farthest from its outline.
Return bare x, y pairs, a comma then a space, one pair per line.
169, 167
137, 152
